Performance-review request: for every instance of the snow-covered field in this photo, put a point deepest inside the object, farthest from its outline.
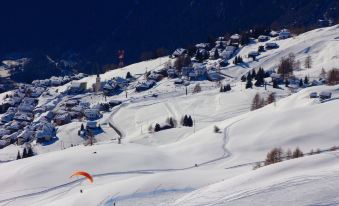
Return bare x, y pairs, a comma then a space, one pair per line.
191, 166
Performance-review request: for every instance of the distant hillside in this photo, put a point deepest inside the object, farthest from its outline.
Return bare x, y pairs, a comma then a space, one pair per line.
96, 31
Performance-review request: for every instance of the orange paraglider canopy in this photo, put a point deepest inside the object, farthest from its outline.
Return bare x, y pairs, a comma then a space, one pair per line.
82, 173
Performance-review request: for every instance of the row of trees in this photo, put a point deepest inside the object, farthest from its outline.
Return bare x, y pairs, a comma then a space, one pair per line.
170, 123
225, 88
238, 60
278, 155
259, 102
27, 152
187, 121
333, 77
258, 76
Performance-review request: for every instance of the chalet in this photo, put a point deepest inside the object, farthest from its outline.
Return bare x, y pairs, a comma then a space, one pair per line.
121, 82
92, 114
56, 81
62, 119
3, 143
11, 138
7, 117
91, 125
228, 52
84, 104
39, 110
284, 34
325, 95
186, 70
23, 116
154, 76
271, 45
274, 33
179, 52
15, 126
178, 81
24, 107
109, 89
253, 54
114, 103
46, 133
313, 95
79, 76
263, 38
201, 55
25, 136
145, 85
77, 87
205, 46
4, 132
235, 39
172, 73
213, 75
277, 77
37, 91
71, 103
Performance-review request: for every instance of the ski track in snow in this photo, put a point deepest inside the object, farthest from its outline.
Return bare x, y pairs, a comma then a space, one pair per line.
226, 154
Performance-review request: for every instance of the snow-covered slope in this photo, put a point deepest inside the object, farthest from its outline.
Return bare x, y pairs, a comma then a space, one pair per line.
311, 180
192, 165
321, 44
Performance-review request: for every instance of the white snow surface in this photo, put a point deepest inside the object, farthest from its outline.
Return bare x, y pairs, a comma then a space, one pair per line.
192, 166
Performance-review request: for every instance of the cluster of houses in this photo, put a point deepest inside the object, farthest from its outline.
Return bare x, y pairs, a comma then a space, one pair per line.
57, 81
76, 109
17, 121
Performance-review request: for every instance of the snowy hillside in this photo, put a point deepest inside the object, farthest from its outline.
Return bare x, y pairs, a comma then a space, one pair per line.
208, 163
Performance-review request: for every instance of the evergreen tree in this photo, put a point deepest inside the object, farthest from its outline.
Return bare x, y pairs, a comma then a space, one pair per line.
190, 121
243, 78
275, 84
235, 61
199, 56
184, 121
228, 87
216, 54
301, 83
222, 88
157, 127
82, 127
128, 75
24, 153
249, 83
18, 156
30, 152
297, 153
254, 74
306, 81
240, 60
308, 62
287, 83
